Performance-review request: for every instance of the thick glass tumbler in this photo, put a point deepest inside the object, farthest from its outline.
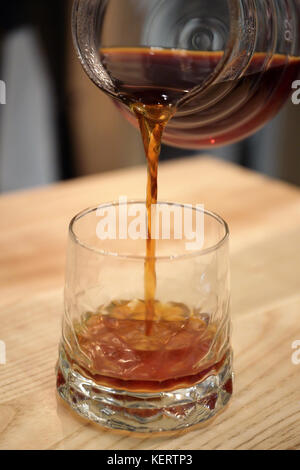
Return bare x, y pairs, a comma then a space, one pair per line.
121, 368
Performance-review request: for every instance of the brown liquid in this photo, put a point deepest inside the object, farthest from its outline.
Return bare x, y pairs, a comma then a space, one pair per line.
121, 355
151, 81
224, 112
144, 345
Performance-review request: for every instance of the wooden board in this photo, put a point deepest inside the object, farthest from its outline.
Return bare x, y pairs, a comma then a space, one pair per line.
264, 218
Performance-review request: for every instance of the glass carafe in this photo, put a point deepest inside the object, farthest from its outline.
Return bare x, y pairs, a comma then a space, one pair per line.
226, 66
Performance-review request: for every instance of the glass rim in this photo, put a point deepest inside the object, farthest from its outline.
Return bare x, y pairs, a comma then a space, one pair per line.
191, 254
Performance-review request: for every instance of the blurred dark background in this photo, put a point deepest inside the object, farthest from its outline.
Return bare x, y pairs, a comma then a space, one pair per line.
56, 125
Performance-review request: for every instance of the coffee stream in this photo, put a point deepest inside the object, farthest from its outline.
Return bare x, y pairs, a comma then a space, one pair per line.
152, 120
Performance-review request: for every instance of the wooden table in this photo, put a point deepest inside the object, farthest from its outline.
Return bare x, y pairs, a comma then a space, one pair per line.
264, 217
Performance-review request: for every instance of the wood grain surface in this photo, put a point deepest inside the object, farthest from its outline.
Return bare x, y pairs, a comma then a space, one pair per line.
264, 218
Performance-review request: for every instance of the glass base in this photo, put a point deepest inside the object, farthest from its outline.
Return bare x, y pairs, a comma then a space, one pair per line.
144, 412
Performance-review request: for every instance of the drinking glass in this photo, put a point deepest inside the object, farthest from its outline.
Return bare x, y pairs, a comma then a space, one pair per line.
116, 366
